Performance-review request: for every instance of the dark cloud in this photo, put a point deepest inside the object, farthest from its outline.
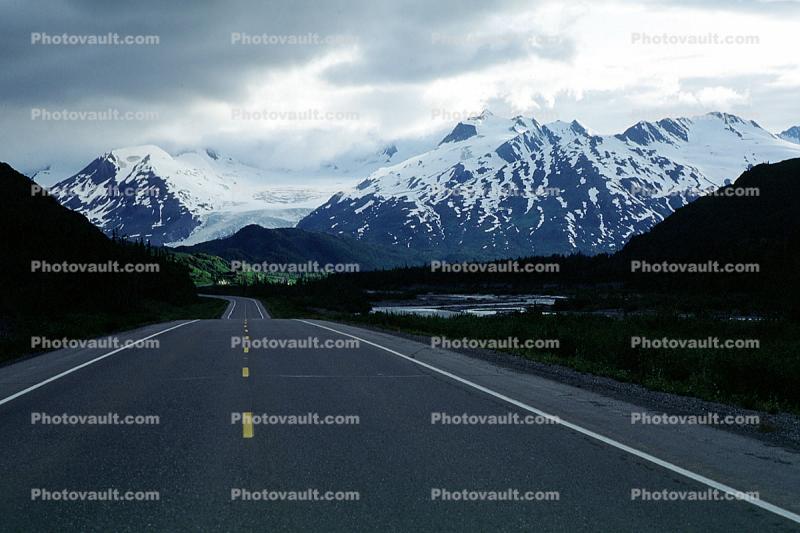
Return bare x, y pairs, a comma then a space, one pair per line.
399, 43
195, 56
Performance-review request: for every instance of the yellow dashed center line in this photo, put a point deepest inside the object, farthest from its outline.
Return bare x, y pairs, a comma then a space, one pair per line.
247, 425
247, 418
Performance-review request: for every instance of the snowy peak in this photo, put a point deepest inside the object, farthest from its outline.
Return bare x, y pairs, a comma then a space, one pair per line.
792, 135
733, 138
681, 130
487, 125
461, 132
669, 131
566, 131
732, 120
133, 154
524, 124
389, 151
483, 115
730, 125
192, 176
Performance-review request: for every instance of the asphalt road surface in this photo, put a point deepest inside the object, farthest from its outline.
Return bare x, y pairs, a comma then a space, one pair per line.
225, 453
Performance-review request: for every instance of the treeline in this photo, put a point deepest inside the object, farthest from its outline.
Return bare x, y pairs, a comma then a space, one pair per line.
327, 294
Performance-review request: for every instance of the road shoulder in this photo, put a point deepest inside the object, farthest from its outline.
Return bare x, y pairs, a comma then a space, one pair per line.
733, 458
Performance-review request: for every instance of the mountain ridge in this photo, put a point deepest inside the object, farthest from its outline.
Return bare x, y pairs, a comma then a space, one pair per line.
518, 187
144, 192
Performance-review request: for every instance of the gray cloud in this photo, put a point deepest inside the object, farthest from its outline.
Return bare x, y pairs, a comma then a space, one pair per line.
402, 47
195, 56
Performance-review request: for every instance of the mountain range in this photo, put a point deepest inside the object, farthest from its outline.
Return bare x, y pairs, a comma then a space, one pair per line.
202, 194
144, 192
498, 187
492, 187
761, 229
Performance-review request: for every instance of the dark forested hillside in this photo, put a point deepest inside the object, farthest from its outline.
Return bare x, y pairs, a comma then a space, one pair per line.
256, 244
35, 227
763, 229
737, 228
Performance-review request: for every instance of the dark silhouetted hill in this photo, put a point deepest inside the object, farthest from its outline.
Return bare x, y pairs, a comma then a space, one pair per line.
256, 244
35, 227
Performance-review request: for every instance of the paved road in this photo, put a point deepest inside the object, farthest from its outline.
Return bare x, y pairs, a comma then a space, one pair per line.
392, 460
242, 308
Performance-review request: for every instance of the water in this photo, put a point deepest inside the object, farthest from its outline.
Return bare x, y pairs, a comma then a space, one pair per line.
447, 305
408, 310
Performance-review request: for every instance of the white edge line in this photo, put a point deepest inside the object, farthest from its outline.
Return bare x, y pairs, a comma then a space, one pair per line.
257, 307
587, 432
232, 308
87, 363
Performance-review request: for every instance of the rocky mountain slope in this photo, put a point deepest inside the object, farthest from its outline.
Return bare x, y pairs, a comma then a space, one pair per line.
497, 187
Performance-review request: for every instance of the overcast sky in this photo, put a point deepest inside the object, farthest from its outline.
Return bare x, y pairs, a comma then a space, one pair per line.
377, 71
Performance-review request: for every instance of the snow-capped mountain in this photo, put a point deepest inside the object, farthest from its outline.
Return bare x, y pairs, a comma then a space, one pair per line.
498, 187
144, 192
791, 135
